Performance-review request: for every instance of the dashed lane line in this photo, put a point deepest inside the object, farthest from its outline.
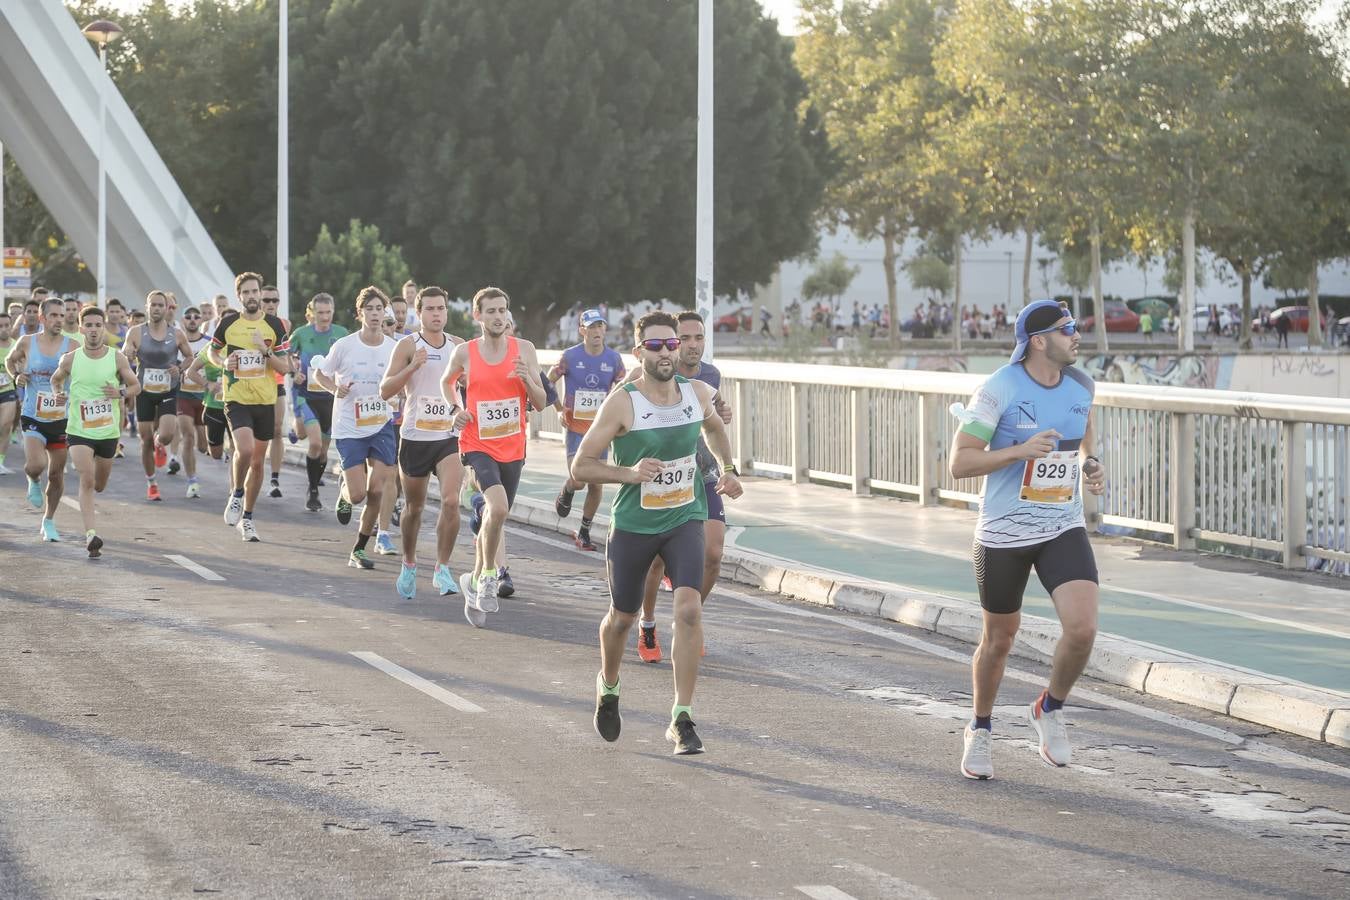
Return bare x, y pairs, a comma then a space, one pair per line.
417, 682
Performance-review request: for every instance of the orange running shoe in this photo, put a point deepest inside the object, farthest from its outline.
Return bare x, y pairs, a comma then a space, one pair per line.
649, 649
161, 456
152, 492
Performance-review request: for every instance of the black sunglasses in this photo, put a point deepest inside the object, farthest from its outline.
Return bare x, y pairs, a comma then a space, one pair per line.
655, 344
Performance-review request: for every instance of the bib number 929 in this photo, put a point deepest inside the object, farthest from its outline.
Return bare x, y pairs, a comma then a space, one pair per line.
1051, 479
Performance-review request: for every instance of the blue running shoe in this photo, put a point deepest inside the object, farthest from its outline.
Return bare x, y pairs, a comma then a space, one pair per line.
35, 496
407, 582
476, 516
384, 544
444, 581
49, 532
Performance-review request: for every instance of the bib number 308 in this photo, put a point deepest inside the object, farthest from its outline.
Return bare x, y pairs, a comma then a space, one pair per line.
1051, 479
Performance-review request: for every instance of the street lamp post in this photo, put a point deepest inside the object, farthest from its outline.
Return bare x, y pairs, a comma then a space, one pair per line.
703, 212
103, 33
283, 165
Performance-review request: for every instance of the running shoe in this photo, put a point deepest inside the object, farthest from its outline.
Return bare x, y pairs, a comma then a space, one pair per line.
486, 598
5, 470
174, 465
248, 532
312, 502
477, 618
977, 760
161, 455
94, 546
35, 494
121, 451
194, 490
649, 649
608, 722
234, 510
563, 504
476, 512
681, 733
1053, 736
444, 581
343, 508
152, 492
397, 515
583, 540
407, 582
275, 493
384, 544
666, 585
505, 587
49, 532
359, 560
292, 436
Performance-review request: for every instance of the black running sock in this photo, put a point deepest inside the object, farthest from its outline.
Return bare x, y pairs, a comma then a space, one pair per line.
985, 722
239, 492
276, 477
586, 524
314, 468
1049, 703
360, 541
248, 514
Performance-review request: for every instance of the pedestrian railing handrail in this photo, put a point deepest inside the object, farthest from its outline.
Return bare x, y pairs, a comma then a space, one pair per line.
1265, 475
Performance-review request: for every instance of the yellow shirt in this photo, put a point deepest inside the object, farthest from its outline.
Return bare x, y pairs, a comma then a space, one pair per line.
251, 383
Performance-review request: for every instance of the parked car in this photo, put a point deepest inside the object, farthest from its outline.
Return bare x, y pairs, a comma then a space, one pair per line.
1119, 317
739, 320
1228, 323
1298, 318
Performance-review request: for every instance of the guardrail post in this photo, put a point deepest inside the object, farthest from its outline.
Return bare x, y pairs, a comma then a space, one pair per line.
930, 449
1295, 493
536, 418
1181, 469
801, 438
740, 425
861, 445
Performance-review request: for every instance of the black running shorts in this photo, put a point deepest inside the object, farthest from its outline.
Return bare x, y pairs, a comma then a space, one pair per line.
629, 556
260, 417
418, 459
1002, 572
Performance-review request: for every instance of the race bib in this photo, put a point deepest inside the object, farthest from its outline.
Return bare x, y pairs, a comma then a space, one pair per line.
673, 486
194, 385
5, 381
156, 381
251, 364
48, 408
97, 413
432, 414
1053, 479
585, 404
498, 419
371, 412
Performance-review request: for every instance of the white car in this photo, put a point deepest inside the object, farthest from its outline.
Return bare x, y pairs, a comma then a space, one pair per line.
1227, 324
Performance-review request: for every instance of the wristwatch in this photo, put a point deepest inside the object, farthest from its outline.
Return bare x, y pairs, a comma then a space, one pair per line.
730, 469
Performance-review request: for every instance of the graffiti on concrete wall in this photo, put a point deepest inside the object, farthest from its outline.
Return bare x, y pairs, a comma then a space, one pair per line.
1175, 371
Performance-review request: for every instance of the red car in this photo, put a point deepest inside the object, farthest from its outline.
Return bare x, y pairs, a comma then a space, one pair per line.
1119, 317
1298, 318
734, 321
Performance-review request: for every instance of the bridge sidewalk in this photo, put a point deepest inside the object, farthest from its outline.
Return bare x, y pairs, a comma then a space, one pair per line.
1233, 636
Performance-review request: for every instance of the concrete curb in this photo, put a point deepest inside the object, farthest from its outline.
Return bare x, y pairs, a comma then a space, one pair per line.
1322, 715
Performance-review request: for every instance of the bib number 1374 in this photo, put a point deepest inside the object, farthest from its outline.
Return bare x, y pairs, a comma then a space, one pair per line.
1051, 479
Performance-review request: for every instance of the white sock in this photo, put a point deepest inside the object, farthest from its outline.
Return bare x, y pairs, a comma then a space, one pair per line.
642, 624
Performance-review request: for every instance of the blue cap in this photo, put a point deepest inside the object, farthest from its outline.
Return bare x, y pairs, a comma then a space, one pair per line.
590, 317
1034, 317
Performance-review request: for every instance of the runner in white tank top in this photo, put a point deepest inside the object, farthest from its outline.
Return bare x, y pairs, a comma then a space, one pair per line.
430, 438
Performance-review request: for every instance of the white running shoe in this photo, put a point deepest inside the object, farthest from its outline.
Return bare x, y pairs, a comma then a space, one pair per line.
1052, 734
977, 759
486, 601
247, 532
476, 617
234, 510
5, 470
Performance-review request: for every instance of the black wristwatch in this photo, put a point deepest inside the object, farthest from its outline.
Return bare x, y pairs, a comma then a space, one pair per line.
730, 469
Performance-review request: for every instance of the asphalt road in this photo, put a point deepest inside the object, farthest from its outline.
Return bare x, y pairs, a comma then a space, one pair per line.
165, 735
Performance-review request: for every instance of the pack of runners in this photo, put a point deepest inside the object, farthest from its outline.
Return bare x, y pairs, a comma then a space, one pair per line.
402, 404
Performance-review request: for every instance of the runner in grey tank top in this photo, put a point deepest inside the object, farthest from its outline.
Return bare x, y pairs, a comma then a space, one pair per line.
157, 366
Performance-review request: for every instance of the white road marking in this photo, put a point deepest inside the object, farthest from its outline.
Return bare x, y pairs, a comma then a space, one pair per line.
823, 892
417, 682
1249, 747
193, 567
72, 503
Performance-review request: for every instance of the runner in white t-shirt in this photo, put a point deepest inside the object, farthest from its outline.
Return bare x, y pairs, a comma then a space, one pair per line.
363, 421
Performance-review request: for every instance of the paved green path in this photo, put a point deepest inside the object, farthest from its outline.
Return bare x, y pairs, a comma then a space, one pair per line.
1316, 659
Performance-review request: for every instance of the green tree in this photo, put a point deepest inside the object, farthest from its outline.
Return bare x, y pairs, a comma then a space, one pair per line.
829, 280
870, 68
342, 266
929, 273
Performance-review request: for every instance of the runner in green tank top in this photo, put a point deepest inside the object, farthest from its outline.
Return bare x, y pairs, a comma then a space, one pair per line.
99, 380
654, 424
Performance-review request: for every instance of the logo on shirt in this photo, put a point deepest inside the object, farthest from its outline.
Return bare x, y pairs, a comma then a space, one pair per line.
606, 367
688, 412
592, 380
1024, 415
1081, 409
